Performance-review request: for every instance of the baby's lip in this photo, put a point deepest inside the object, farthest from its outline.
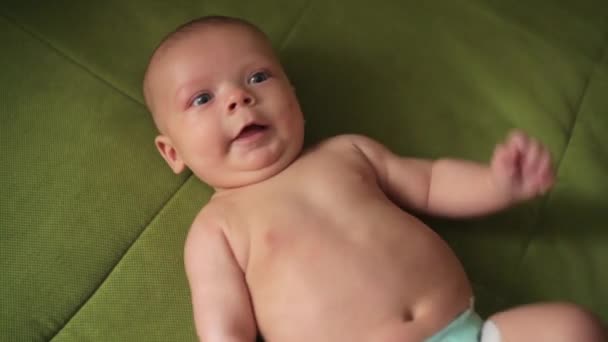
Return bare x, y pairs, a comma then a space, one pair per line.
249, 129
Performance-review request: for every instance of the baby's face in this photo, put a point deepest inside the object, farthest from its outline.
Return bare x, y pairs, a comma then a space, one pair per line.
225, 107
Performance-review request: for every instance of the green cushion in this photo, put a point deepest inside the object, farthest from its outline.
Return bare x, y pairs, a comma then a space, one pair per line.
92, 222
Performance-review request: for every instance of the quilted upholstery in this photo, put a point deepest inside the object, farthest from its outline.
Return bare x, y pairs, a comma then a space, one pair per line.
92, 222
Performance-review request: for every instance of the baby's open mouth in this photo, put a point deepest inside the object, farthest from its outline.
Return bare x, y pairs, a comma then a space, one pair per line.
250, 130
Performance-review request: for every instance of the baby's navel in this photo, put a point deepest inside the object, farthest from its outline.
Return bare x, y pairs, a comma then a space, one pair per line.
408, 315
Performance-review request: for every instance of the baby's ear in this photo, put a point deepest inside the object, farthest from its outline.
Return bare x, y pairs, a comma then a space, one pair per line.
166, 149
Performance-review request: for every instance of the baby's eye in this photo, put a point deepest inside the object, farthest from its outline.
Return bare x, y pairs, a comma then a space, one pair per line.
201, 99
258, 77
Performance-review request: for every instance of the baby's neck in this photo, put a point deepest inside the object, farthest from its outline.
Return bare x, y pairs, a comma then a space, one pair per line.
224, 191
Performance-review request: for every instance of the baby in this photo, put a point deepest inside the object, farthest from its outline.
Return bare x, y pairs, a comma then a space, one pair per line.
315, 245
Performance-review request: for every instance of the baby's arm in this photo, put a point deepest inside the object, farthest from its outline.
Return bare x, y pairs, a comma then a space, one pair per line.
520, 169
220, 298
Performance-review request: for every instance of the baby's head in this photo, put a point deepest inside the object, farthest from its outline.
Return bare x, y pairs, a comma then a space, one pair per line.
222, 103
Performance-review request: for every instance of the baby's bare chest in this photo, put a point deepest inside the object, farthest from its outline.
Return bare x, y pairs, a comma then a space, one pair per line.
322, 193
325, 238
344, 246
328, 210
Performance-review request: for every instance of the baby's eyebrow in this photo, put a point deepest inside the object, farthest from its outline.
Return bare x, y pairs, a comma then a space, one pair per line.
183, 92
257, 61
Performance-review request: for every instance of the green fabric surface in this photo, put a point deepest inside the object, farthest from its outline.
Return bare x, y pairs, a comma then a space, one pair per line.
92, 223
75, 193
148, 286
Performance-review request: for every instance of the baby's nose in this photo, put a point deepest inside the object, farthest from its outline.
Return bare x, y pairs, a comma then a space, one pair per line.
240, 98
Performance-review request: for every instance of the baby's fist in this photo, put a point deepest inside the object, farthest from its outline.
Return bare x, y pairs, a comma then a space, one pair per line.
521, 167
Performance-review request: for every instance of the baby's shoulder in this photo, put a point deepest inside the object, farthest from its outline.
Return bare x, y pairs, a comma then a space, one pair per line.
351, 147
343, 140
209, 218
216, 209
342, 154
344, 143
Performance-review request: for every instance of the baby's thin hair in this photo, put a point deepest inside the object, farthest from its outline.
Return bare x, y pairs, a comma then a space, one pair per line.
191, 26
210, 20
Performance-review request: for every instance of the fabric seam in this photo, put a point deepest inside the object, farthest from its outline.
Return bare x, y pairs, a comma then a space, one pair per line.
293, 27
119, 260
153, 217
67, 57
538, 217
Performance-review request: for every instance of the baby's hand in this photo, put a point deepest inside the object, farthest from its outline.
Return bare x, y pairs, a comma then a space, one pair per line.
521, 167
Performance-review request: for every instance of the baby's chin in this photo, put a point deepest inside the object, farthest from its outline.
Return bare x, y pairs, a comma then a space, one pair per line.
251, 166
234, 180
226, 178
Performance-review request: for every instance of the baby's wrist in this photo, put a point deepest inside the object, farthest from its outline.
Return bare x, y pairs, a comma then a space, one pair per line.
504, 189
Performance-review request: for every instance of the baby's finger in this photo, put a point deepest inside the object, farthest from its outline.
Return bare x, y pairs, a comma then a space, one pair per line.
505, 160
518, 139
532, 159
546, 183
545, 173
544, 163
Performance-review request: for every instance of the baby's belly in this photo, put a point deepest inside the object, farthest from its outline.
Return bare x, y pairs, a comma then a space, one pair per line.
354, 280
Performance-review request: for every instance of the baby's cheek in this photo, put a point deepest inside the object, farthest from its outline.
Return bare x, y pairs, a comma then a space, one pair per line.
294, 106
